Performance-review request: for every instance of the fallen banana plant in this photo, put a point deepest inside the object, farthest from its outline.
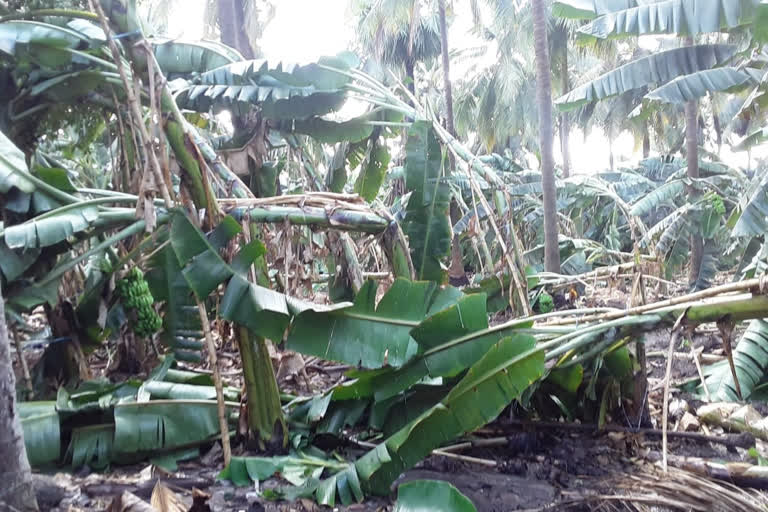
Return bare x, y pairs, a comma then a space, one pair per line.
159, 420
472, 371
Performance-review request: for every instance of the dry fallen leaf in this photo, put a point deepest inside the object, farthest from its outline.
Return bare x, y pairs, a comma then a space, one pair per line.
165, 500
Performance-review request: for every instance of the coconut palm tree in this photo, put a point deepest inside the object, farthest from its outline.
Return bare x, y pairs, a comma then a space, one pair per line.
544, 101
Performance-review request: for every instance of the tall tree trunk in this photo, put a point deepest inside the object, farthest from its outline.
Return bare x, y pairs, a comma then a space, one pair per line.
231, 25
565, 122
446, 69
692, 156
456, 271
17, 491
410, 76
544, 100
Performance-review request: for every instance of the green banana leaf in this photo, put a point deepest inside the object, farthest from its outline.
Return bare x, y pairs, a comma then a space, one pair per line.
182, 331
163, 425
680, 17
657, 69
694, 86
13, 264
760, 27
589, 9
663, 194
14, 173
366, 334
264, 311
290, 92
436, 495
753, 220
427, 222
756, 138
373, 170
42, 437
502, 375
186, 57
750, 357
91, 446
40, 43
51, 228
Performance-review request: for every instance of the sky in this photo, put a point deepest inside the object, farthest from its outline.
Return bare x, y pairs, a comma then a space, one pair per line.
304, 30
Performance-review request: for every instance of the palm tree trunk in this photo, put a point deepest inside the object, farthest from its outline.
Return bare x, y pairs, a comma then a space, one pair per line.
544, 100
17, 491
446, 69
565, 123
692, 156
456, 270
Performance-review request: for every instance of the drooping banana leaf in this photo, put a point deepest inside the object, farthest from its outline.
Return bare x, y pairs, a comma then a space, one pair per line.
697, 85
756, 138
373, 169
750, 357
658, 69
264, 311
663, 194
491, 384
181, 321
40, 43
680, 17
186, 57
290, 92
427, 222
589, 9
753, 220
91, 446
53, 227
163, 425
366, 334
14, 173
42, 437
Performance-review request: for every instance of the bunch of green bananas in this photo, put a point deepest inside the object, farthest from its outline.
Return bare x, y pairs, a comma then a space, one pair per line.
135, 294
717, 204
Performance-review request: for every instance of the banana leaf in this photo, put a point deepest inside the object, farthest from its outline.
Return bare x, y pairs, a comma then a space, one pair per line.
163, 425
366, 334
182, 331
179, 391
753, 220
694, 86
589, 9
290, 92
499, 377
42, 438
756, 138
760, 27
91, 446
420, 495
51, 228
664, 194
658, 69
40, 43
14, 173
186, 57
427, 223
680, 17
750, 357
373, 170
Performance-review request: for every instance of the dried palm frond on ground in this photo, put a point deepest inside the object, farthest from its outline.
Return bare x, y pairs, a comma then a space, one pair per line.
676, 490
